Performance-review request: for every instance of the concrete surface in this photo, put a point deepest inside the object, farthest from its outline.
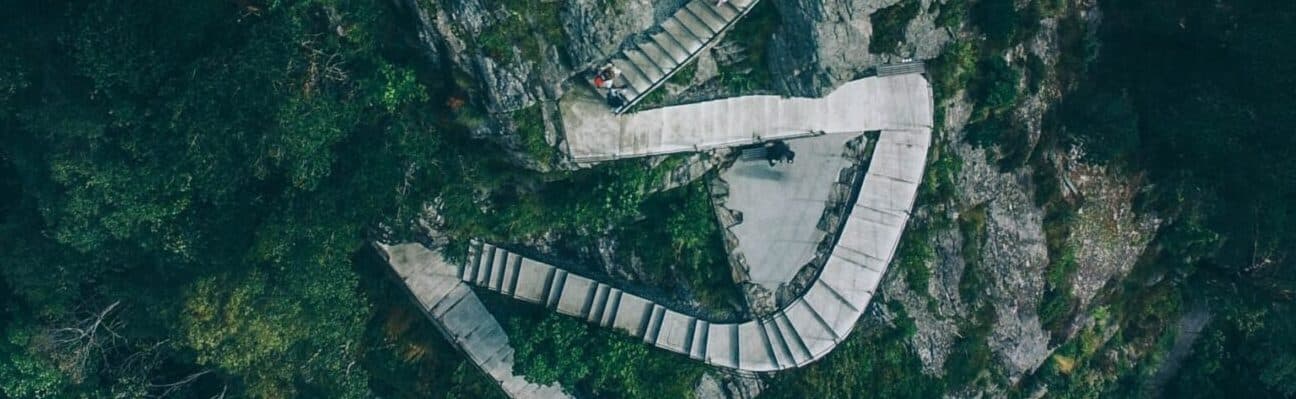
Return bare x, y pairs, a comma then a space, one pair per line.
781, 206
593, 133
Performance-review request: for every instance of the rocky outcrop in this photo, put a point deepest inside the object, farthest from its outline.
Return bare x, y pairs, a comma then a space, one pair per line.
1107, 235
823, 43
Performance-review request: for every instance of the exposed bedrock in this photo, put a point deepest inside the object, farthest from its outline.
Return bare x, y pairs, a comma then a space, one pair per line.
823, 43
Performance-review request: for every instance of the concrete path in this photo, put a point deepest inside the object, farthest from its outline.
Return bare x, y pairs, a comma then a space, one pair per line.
800, 333
460, 316
675, 43
794, 336
781, 206
896, 102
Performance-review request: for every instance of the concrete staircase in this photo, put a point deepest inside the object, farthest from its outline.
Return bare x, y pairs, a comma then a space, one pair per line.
803, 331
678, 40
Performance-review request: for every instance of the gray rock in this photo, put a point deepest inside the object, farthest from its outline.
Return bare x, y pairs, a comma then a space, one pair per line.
824, 43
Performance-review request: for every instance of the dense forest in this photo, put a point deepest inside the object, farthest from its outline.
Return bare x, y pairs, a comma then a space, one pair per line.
1202, 96
187, 190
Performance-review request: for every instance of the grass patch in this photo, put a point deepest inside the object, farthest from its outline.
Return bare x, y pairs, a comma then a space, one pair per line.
889, 26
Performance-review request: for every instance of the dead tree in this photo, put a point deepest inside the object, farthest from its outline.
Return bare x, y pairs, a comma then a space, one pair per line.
91, 335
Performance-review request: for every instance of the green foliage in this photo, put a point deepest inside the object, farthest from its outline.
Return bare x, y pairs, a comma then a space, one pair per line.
23, 375
554, 348
753, 35
972, 226
215, 179
889, 25
684, 75
999, 20
970, 358
1106, 121
996, 91
531, 128
869, 363
679, 245
253, 326
527, 25
1056, 305
954, 69
952, 13
1200, 96
551, 351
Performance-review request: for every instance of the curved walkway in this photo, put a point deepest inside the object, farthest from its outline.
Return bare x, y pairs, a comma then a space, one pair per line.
798, 334
895, 102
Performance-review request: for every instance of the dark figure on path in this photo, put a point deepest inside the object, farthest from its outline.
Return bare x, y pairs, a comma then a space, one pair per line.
616, 99
779, 151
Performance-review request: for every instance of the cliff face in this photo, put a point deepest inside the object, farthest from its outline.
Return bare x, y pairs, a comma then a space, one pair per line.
824, 43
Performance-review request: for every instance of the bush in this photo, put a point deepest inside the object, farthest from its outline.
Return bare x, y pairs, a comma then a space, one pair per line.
559, 349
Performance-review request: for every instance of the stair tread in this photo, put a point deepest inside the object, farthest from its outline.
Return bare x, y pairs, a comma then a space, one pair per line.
659, 57
707, 15
699, 28
645, 65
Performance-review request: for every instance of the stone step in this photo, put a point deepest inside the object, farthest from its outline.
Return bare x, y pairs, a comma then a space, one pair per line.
631, 75
497, 271
796, 346
698, 349
554, 289
726, 10
699, 29
474, 256
664, 41
646, 66
683, 35
605, 313
663, 61
511, 276
722, 345
706, 15
598, 301
779, 340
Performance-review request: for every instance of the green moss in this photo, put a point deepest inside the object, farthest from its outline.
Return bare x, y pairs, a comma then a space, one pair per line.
889, 26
